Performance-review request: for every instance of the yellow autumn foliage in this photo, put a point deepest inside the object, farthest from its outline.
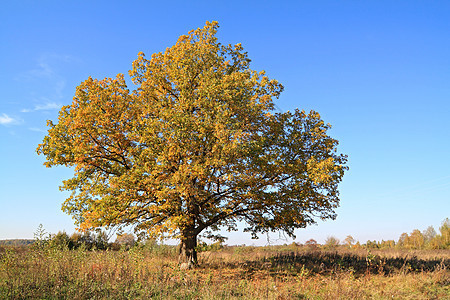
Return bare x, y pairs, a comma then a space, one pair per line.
195, 146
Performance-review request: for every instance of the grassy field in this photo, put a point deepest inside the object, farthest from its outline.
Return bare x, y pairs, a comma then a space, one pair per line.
276, 272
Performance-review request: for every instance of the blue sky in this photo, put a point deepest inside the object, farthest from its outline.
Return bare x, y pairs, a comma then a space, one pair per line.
378, 71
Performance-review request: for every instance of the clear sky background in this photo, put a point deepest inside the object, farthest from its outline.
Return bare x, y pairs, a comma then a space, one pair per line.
378, 71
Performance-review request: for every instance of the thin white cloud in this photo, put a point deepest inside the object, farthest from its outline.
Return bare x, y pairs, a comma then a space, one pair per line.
43, 70
45, 66
48, 106
7, 120
37, 129
45, 106
46, 82
59, 88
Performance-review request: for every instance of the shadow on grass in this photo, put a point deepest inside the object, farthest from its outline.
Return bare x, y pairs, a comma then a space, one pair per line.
327, 263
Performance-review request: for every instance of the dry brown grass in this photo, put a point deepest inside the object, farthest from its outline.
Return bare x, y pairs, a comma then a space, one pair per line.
232, 273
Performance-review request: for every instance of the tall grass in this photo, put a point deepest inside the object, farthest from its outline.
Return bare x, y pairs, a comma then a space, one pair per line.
152, 272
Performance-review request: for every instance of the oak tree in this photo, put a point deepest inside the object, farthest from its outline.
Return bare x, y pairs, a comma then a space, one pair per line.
196, 146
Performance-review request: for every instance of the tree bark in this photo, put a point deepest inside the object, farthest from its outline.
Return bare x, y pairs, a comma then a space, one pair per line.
188, 249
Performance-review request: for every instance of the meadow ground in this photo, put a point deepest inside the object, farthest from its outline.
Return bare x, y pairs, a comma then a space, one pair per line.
275, 272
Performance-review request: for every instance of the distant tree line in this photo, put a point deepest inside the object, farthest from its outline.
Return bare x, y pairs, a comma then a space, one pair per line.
427, 239
87, 240
416, 240
16, 242
90, 240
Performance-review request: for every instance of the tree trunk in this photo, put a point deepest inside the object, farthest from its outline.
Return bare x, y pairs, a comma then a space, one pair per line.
188, 249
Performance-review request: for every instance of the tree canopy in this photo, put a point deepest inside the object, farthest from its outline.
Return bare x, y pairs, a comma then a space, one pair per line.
194, 147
